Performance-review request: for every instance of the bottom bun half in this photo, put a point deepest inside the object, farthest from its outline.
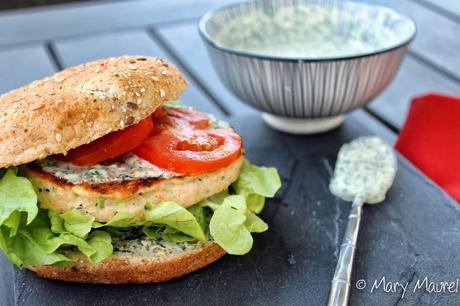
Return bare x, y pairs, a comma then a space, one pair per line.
133, 267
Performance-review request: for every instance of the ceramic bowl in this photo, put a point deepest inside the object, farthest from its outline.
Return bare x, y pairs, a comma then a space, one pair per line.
306, 95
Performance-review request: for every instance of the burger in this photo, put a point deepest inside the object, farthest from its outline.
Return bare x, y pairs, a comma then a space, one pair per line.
105, 178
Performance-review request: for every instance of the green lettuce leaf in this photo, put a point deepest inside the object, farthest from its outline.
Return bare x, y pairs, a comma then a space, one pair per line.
32, 236
35, 244
227, 226
101, 242
175, 216
173, 235
71, 222
120, 220
257, 183
16, 194
254, 224
29, 236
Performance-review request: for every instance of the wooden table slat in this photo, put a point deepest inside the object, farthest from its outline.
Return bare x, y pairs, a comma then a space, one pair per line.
138, 42
185, 41
437, 36
447, 6
20, 66
413, 79
76, 19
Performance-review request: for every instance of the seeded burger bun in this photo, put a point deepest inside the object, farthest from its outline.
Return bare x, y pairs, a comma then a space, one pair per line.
138, 267
77, 106
166, 192
81, 104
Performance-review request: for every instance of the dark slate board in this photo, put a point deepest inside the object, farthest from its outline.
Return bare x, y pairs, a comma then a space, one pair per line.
412, 235
6, 281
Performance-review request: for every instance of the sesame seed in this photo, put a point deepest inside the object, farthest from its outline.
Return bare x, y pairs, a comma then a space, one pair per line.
142, 89
162, 93
58, 137
132, 67
138, 94
59, 79
164, 72
36, 106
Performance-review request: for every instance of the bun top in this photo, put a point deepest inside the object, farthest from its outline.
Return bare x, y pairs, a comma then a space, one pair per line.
81, 104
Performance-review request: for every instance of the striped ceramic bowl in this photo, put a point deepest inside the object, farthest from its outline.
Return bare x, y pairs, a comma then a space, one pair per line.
306, 94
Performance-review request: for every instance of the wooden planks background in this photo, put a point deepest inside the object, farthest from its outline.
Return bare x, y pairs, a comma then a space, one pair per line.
65, 35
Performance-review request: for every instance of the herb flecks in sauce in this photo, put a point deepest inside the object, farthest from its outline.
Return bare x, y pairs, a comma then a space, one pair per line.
308, 31
127, 167
154, 247
365, 167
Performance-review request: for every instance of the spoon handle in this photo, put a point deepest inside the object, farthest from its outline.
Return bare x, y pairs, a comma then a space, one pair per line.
340, 288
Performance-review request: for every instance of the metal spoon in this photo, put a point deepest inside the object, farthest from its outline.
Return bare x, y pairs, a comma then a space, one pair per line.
364, 171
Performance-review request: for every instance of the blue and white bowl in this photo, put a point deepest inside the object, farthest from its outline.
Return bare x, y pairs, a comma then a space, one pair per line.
306, 95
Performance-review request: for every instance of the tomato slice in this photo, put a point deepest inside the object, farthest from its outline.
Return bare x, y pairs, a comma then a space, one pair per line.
179, 117
200, 152
111, 145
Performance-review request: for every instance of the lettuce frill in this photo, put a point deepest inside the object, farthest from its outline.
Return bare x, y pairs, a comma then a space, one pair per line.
32, 236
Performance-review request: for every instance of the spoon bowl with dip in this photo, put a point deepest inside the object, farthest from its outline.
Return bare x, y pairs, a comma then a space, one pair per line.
306, 63
364, 171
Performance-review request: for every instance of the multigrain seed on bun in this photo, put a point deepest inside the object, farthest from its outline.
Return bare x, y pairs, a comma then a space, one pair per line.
81, 104
118, 183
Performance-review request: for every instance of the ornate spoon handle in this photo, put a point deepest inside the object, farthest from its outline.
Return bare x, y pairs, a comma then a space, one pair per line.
340, 288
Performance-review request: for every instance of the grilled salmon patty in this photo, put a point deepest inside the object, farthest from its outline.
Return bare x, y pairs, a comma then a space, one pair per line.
104, 200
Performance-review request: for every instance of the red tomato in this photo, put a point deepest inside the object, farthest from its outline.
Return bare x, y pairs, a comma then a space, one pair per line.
111, 145
200, 151
178, 117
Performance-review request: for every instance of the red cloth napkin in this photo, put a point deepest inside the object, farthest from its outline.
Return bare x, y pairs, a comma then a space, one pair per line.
430, 138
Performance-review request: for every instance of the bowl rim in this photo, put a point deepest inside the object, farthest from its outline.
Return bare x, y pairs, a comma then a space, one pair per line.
208, 38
